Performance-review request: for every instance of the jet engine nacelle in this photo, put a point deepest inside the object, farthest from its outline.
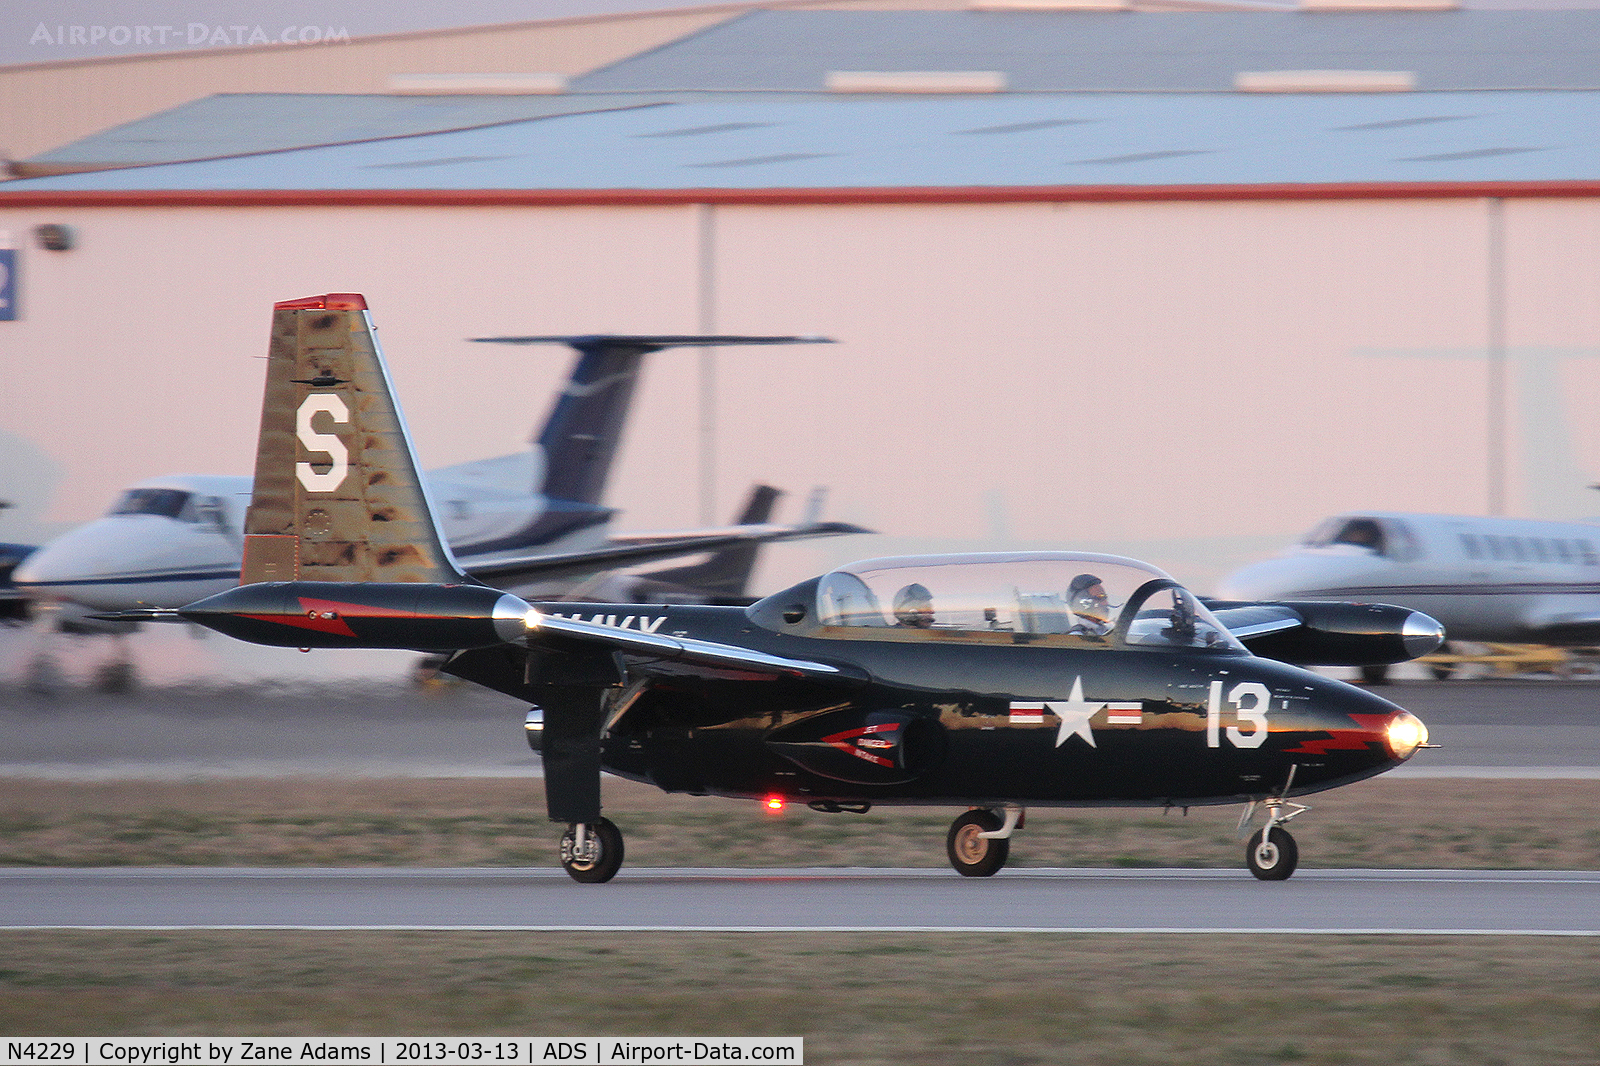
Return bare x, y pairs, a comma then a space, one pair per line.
1350, 634
337, 614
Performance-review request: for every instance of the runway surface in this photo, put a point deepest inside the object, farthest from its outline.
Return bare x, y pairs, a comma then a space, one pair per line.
1563, 903
1548, 729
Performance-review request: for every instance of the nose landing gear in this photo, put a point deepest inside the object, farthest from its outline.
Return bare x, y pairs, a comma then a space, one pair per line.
1272, 854
592, 854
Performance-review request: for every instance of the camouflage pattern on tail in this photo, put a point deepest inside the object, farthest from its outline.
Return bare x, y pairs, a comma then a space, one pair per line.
337, 494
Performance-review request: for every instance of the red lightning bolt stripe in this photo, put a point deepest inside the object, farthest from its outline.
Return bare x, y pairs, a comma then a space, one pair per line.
1369, 731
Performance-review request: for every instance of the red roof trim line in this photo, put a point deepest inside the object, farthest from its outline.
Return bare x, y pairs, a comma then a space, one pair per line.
786, 196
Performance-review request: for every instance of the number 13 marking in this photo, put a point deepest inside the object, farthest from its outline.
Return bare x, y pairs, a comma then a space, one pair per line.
1255, 714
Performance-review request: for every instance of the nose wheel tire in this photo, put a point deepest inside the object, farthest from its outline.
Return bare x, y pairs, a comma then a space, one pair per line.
1272, 854
598, 858
970, 853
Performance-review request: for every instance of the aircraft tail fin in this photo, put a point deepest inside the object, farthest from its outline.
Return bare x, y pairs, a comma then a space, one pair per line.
580, 437
726, 574
338, 496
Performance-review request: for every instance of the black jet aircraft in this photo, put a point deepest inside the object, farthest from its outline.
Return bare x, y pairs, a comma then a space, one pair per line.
989, 683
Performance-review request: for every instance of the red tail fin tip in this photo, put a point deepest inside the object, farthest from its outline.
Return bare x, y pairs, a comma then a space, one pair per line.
333, 301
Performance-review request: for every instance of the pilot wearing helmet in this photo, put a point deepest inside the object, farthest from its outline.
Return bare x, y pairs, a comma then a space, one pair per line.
1090, 607
913, 606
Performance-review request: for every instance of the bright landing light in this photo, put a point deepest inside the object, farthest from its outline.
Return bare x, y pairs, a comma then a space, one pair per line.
1404, 734
774, 803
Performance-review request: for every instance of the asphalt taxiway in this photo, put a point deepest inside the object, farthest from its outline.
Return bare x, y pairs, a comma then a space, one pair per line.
1377, 902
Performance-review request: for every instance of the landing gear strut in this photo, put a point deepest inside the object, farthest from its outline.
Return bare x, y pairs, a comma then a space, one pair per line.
979, 841
592, 853
1272, 854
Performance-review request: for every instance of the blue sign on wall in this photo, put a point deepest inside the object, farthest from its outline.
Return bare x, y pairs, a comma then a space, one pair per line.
8, 283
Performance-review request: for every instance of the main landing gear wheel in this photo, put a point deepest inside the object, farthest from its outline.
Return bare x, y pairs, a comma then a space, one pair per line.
597, 858
970, 853
1272, 854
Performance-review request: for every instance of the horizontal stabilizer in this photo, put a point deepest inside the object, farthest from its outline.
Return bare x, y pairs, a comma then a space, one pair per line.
653, 342
580, 437
622, 553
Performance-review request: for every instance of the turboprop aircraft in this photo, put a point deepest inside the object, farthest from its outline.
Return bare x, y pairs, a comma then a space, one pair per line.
1510, 580
530, 519
988, 683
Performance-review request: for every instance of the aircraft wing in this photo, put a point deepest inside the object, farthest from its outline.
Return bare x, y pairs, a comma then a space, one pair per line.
1250, 621
628, 550
545, 630
1567, 630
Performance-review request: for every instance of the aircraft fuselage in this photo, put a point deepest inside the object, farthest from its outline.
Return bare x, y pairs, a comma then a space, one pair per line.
1484, 578
983, 723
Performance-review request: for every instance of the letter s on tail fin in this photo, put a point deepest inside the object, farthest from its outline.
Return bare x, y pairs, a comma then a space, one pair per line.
338, 496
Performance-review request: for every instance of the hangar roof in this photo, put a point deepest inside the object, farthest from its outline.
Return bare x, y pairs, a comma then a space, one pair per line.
821, 141
767, 69
1166, 51
231, 124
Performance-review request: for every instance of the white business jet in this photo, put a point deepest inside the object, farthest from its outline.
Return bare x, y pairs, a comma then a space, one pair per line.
1510, 580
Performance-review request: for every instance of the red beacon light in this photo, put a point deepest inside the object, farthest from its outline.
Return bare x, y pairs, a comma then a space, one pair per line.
774, 803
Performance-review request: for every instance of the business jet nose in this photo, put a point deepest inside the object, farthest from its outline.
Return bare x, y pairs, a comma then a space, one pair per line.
69, 566
40, 571
1293, 577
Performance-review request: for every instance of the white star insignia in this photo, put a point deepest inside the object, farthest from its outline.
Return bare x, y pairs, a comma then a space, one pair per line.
1074, 714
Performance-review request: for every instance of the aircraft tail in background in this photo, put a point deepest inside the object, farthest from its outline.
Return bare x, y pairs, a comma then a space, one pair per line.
724, 576
580, 437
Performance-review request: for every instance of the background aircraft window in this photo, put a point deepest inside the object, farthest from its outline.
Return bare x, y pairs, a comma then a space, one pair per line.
167, 502
1470, 544
1588, 553
1362, 532
1323, 533
1514, 548
209, 510
1562, 551
1538, 549
1495, 551
1400, 543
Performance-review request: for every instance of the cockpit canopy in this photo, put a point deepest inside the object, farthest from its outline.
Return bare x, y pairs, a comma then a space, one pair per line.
180, 504
1067, 597
1380, 535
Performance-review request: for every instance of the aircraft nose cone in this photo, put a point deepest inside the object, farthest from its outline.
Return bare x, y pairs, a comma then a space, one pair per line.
1403, 734
38, 569
1421, 634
